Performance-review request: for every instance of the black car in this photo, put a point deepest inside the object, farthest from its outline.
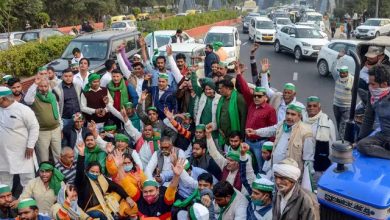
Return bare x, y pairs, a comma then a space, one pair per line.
97, 47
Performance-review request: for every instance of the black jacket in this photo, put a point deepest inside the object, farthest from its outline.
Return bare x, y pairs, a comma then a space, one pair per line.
70, 136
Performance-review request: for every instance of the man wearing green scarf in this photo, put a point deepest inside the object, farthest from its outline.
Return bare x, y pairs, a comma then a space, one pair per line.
231, 111
44, 104
231, 203
45, 187
93, 153
118, 90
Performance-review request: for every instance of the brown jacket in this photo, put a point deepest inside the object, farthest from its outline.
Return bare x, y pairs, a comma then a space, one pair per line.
302, 205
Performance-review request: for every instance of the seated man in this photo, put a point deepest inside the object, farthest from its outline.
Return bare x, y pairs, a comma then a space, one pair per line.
75, 132
6, 203
28, 209
67, 165
377, 145
231, 203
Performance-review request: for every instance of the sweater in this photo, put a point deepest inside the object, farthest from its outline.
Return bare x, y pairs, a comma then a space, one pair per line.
44, 113
95, 101
343, 93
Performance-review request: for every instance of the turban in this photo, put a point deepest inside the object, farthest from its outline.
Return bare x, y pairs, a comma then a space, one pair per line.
207, 82
287, 168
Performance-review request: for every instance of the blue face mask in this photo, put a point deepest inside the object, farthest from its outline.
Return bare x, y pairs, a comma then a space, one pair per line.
92, 176
258, 202
128, 168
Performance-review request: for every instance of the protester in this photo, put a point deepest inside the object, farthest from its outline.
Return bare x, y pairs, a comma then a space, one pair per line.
53, 79
210, 58
75, 132
7, 203
67, 165
107, 77
17, 90
81, 78
231, 203
178, 37
29, 210
77, 55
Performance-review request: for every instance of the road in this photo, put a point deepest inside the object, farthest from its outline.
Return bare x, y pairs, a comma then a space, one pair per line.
283, 67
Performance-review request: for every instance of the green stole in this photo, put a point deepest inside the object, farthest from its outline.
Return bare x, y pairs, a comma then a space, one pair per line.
233, 115
223, 209
96, 154
123, 90
194, 197
49, 98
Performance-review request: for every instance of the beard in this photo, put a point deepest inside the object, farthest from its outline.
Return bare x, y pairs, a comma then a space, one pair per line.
17, 93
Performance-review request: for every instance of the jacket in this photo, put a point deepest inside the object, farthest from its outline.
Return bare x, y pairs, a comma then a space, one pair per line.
58, 90
70, 136
302, 205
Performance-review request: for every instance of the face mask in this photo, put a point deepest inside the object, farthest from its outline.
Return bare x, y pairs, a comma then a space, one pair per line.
92, 176
286, 128
128, 168
150, 199
258, 202
165, 153
378, 91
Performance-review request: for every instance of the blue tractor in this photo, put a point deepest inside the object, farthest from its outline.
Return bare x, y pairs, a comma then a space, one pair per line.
355, 186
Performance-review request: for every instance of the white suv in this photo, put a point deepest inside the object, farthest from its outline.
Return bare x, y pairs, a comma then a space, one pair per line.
301, 40
262, 29
230, 38
373, 27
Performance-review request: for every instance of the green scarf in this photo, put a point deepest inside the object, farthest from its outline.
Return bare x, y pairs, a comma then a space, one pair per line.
233, 115
123, 90
56, 178
155, 142
95, 155
223, 209
194, 197
49, 98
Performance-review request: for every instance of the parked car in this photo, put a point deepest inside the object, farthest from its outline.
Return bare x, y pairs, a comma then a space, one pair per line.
124, 25
189, 50
303, 41
230, 38
12, 35
373, 28
315, 18
5, 43
118, 18
316, 26
97, 47
40, 34
262, 29
281, 22
161, 38
246, 21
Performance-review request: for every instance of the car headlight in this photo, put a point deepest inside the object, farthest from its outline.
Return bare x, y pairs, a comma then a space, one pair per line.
258, 32
232, 54
305, 44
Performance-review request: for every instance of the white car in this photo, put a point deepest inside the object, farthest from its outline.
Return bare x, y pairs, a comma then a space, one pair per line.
373, 28
246, 21
158, 39
189, 50
124, 25
262, 29
230, 38
303, 41
316, 26
315, 18
328, 61
12, 35
281, 22
4, 43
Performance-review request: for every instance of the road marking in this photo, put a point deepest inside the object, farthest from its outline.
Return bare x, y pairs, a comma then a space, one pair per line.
295, 76
296, 61
246, 42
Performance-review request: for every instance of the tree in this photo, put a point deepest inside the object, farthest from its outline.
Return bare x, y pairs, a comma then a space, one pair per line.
42, 18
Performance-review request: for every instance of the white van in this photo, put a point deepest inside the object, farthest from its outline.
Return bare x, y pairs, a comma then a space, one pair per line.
262, 29
230, 38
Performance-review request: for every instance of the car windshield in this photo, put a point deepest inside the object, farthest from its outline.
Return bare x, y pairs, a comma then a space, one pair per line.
93, 50
372, 22
3, 45
283, 21
30, 36
307, 33
264, 25
248, 18
225, 38
118, 25
281, 16
162, 40
314, 18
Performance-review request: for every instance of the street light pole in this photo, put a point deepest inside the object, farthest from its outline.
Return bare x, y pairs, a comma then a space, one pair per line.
377, 9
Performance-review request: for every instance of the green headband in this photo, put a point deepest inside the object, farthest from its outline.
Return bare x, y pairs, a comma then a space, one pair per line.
267, 146
27, 203
313, 99
42, 69
200, 127
343, 69
234, 156
121, 137
109, 128
150, 183
163, 76
289, 86
262, 187
151, 108
4, 189
294, 108
260, 89
46, 166
128, 105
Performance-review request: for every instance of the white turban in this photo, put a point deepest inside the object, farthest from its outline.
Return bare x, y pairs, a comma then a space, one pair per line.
287, 168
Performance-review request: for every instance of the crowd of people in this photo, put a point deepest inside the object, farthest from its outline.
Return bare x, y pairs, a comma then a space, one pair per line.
145, 142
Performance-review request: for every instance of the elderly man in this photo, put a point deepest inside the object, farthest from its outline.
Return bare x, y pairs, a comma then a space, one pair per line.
324, 133
19, 130
6, 203
44, 104
293, 138
292, 202
67, 165
45, 187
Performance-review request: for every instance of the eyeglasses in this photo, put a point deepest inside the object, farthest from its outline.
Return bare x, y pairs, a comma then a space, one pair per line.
257, 96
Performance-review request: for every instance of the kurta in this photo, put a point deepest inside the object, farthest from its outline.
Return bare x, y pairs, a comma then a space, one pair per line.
19, 129
206, 116
45, 197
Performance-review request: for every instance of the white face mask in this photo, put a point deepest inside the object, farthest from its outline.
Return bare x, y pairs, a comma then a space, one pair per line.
378, 91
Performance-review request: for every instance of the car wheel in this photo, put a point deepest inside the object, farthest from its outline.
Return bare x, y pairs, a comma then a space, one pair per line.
377, 34
357, 37
298, 53
323, 68
277, 46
